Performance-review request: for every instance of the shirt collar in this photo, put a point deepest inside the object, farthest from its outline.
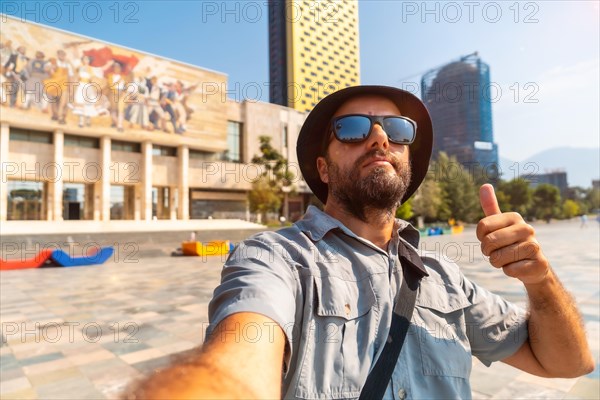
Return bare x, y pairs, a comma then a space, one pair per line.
316, 223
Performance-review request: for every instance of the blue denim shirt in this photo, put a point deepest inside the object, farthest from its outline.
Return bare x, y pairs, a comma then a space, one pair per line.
333, 292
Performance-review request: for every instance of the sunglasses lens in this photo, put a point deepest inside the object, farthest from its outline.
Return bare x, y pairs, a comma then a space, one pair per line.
352, 128
399, 130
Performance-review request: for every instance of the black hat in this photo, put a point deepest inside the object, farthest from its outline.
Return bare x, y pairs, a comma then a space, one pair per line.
310, 140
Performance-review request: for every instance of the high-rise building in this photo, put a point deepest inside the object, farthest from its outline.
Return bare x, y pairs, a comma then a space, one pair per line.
458, 97
313, 50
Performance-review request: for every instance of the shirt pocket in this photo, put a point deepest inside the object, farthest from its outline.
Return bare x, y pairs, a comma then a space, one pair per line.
440, 325
339, 339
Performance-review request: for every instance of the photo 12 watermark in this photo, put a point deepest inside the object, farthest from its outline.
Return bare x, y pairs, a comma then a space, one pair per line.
323, 12
90, 172
68, 332
92, 12
453, 12
89, 251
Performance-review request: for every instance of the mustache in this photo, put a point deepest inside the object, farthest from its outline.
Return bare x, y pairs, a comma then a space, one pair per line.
390, 157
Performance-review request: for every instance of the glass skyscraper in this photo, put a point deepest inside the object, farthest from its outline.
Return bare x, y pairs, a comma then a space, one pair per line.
459, 99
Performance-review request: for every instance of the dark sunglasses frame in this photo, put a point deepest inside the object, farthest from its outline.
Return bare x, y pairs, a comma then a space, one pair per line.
374, 119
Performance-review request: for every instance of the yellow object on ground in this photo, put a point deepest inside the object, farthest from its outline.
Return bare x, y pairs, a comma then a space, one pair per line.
457, 229
212, 248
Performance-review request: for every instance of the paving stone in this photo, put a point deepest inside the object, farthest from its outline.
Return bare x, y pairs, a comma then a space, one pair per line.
9, 374
75, 388
41, 359
21, 395
150, 313
53, 376
15, 385
585, 388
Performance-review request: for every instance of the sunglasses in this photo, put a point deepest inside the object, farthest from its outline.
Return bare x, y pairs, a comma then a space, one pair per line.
355, 128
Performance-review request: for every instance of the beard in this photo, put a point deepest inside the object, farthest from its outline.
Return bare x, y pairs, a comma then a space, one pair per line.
379, 191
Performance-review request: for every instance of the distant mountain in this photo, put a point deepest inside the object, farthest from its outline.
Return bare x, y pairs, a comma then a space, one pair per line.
581, 164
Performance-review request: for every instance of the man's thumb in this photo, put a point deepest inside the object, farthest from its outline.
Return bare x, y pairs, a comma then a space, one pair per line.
488, 200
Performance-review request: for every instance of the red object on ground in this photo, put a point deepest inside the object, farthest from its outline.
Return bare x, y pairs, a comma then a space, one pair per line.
34, 262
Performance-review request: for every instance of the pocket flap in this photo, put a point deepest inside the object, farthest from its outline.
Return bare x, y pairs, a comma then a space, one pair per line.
345, 299
444, 298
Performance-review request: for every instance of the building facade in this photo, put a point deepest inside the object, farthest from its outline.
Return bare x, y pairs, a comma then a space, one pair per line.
313, 50
556, 178
101, 132
458, 97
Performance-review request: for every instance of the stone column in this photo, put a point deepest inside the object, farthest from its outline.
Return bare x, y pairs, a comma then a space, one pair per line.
183, 192
146, 181
4, 137
103, 186
56, 198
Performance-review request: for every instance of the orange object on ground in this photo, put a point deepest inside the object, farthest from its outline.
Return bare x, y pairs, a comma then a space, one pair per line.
213, 248
34, 262
458, 228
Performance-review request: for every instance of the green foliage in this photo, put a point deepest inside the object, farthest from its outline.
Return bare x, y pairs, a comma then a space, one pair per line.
518, 195
592, 200
405, 211
503, 200
570, 209
267, 194
579, 195
546, 202
275, 165
263, 198
428, 200
461, 199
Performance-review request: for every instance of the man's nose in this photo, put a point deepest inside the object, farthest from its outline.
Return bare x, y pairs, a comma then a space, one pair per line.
378, 138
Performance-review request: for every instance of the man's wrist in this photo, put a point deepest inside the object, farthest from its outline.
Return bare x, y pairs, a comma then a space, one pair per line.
542, 279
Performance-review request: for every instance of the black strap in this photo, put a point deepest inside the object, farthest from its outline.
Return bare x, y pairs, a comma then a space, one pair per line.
381, 373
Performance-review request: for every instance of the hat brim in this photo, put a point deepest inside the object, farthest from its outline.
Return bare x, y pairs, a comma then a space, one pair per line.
310, 139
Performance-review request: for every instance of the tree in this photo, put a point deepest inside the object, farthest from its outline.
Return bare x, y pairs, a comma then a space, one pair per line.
275, 165
460, 196
503, 200
267, 194
592, 200
405, 211
579, 196
570, 209
546, 201
263, 199
518, 195
427, 200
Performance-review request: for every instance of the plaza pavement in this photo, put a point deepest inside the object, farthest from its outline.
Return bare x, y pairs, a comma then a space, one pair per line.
88, 333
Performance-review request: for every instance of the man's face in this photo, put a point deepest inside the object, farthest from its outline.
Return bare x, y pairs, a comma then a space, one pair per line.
373, 174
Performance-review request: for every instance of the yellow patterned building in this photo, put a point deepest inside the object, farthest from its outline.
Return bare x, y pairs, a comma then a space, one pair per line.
313, 49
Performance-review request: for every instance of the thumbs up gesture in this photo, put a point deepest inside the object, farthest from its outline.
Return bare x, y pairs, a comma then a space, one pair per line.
509, 241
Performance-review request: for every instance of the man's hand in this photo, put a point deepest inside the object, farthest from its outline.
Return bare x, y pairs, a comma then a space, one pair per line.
509, 241
557, 346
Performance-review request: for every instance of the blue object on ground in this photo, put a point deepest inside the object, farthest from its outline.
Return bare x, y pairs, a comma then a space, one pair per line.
65, 260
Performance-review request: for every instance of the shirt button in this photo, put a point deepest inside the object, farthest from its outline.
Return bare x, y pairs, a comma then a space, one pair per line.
347, 309
402, 394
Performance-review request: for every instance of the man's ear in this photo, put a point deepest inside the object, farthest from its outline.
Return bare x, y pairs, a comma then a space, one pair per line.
323, 170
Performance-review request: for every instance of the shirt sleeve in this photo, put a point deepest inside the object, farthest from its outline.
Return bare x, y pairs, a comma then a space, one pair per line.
496, 328
257, 277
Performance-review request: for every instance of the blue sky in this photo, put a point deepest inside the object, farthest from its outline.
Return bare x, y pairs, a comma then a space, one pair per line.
543, 55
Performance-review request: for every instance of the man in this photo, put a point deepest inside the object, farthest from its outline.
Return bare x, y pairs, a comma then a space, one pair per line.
305, 312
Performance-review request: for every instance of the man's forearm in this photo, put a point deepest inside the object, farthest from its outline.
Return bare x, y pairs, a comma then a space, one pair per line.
192, 379
556, 332
225, 368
